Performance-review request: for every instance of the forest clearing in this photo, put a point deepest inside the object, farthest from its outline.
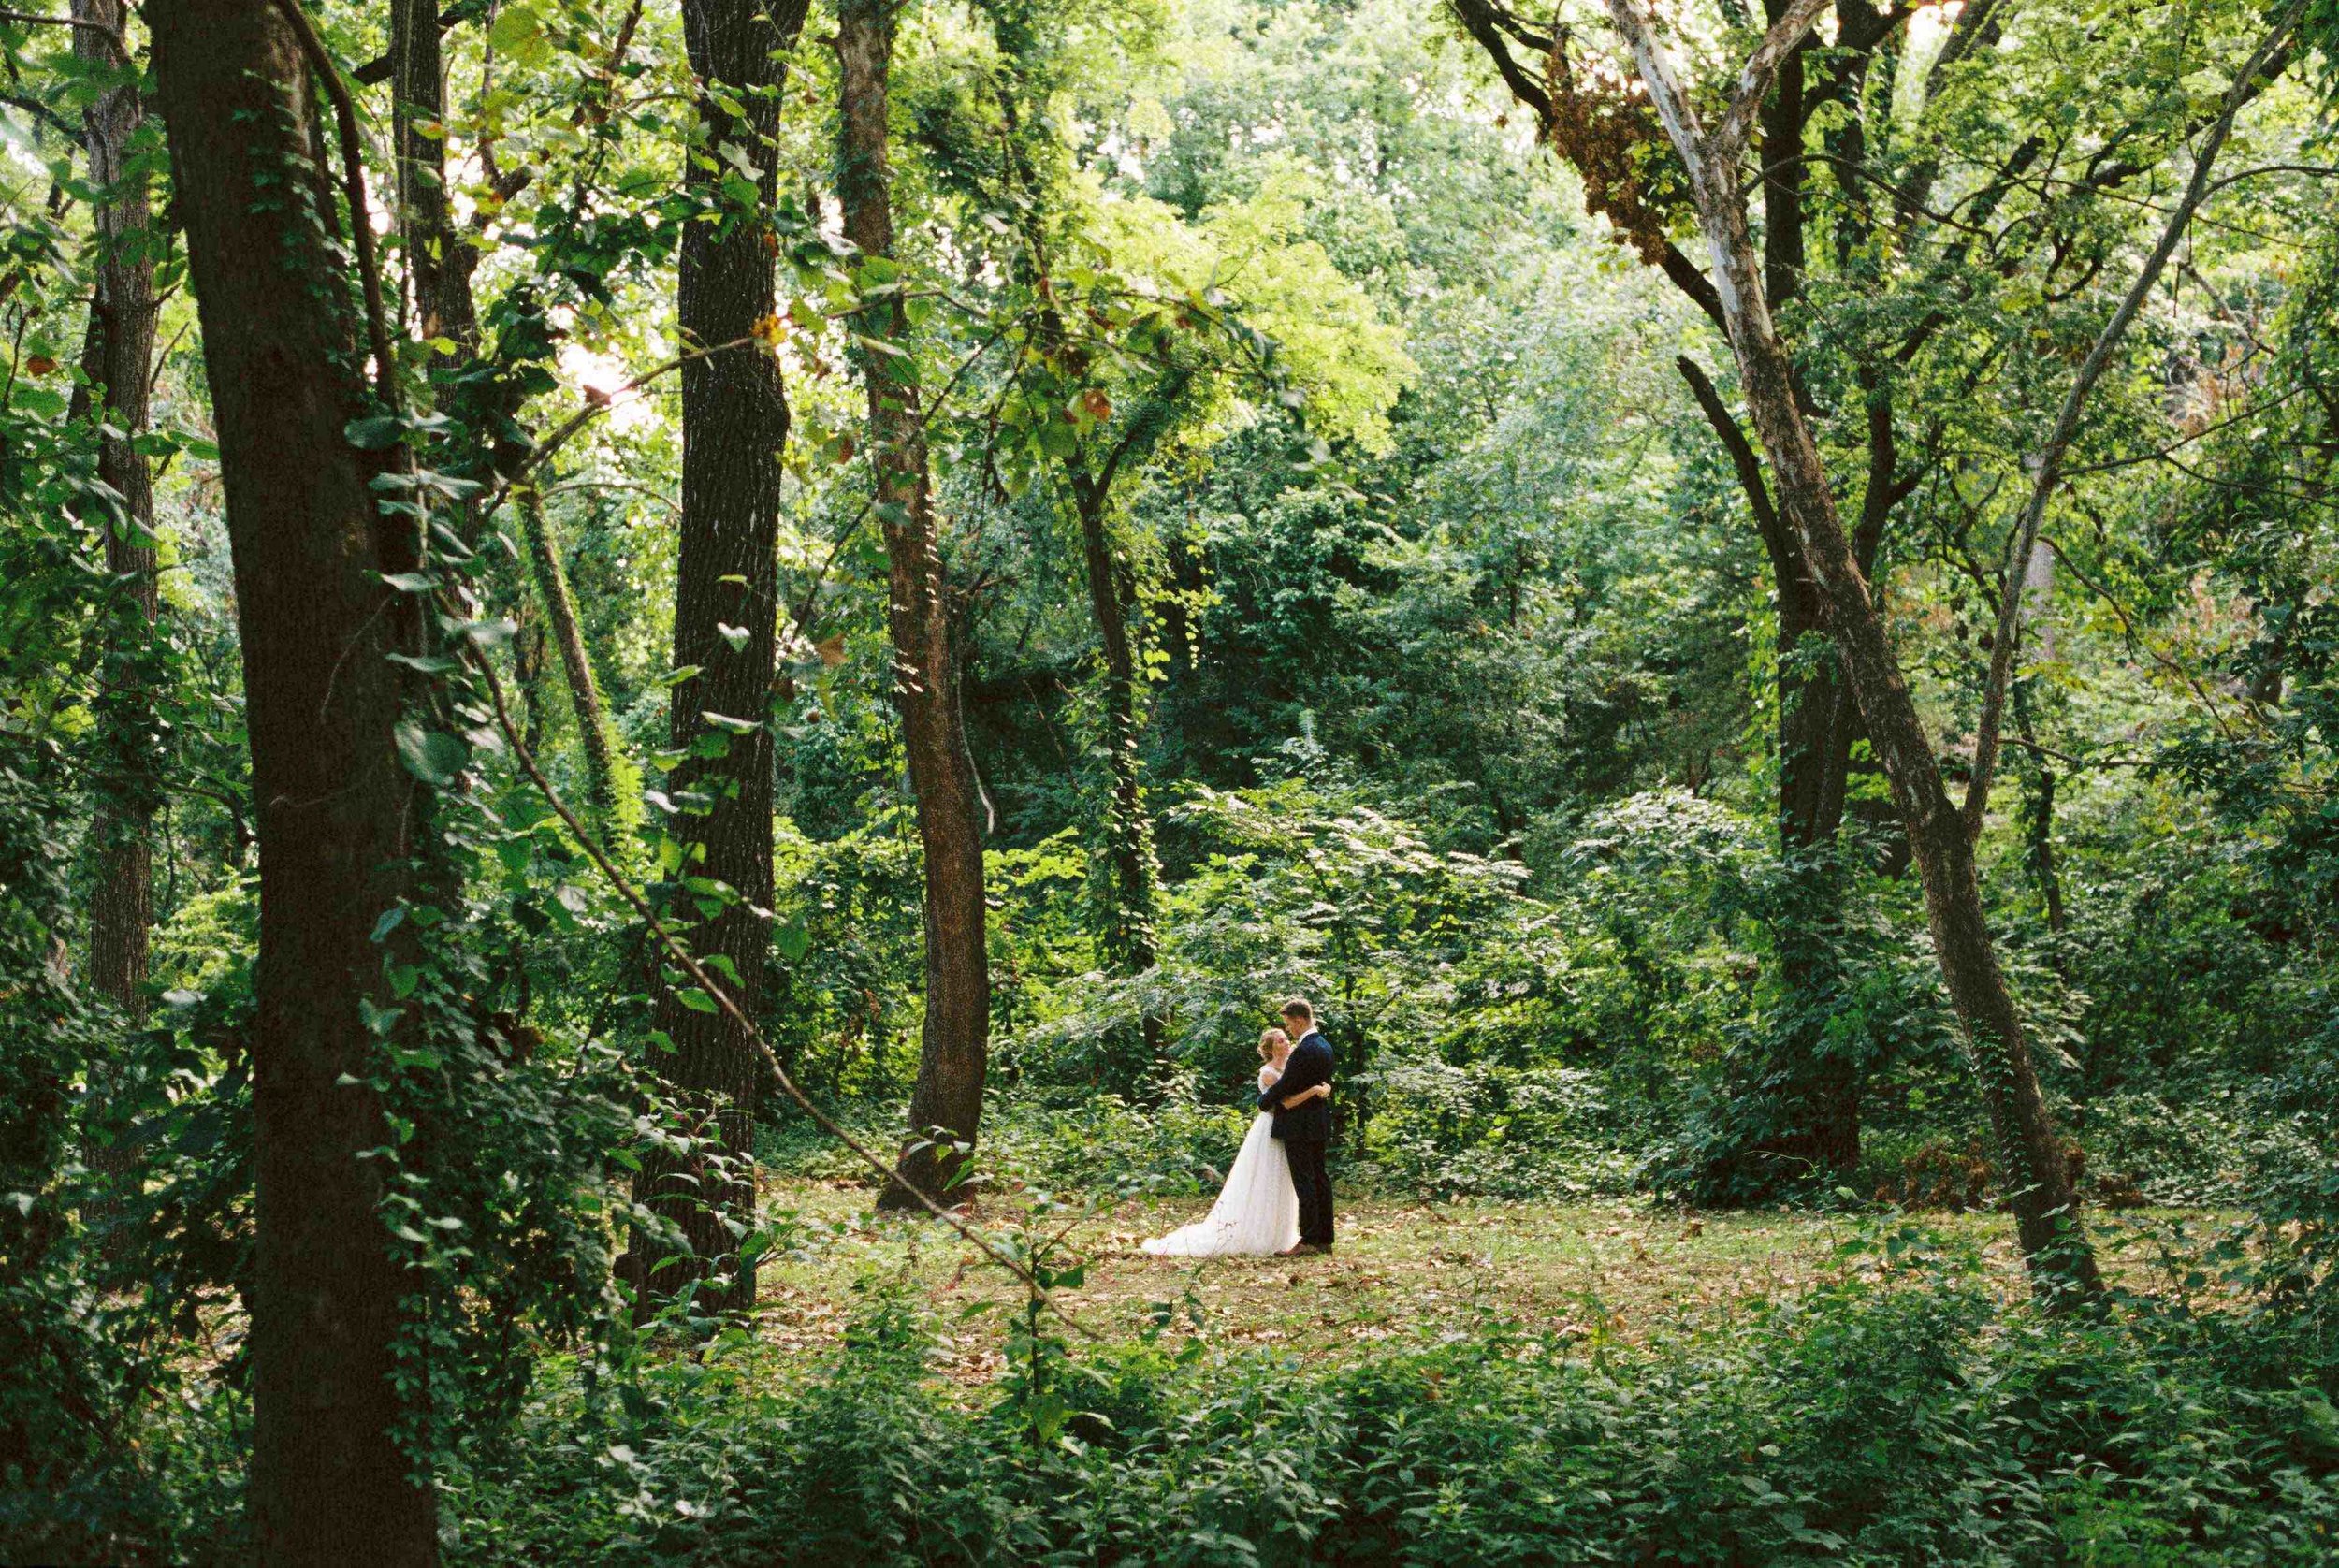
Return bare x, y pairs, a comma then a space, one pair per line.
1411, 1273
967, 783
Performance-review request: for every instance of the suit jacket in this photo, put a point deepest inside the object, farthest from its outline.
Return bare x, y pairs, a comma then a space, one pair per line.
1310, 1064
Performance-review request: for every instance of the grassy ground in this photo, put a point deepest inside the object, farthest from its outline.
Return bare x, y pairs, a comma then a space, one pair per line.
1401, 1269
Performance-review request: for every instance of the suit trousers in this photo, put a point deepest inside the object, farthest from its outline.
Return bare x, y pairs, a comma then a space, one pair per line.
1315, 1186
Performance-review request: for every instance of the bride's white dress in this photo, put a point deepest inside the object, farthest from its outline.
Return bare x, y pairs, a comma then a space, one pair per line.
1258, 1210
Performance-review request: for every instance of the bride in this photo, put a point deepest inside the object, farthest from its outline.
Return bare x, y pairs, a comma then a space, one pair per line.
1258, 1210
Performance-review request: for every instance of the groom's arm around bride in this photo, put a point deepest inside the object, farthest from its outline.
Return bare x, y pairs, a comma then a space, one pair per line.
1306, 1129
1310, 1064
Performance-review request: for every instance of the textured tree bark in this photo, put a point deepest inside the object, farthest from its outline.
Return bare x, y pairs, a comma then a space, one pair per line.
735, 423
328, 1483
116, 356
595, 737
438, 261
2061, 1262
946, 1105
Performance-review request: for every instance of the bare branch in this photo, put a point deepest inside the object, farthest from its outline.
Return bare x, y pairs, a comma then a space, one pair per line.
85, 23
1746, 102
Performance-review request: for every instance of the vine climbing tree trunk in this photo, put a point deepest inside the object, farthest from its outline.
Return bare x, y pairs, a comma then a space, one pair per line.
735, 423
946, 1105
438, 262
1129, 870
596, 736
119, 346
1127, 877
2061, 1262
329, 1484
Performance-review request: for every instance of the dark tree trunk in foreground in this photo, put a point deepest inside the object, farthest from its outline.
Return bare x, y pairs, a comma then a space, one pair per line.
337, 814
734, 422
2036, 1177
438, 262
120, 345
947, 1103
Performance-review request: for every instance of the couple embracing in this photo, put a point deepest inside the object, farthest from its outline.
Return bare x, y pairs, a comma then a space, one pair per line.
1278, 1198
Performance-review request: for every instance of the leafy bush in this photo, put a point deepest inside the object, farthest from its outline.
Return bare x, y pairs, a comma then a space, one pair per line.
1898, 1414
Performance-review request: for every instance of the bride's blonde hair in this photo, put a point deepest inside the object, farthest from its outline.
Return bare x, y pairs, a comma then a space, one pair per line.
1269, 1040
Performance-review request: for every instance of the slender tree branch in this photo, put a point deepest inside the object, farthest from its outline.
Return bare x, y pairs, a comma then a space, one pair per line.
594, 407
1746, 102
1742, 458
42, 112
2136, 638
85, 25
2048, 471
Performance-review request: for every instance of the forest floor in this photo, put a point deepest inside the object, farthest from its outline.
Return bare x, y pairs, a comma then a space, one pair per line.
1404, 1271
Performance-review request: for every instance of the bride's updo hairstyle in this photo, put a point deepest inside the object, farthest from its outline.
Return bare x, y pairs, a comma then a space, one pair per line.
1271, 1042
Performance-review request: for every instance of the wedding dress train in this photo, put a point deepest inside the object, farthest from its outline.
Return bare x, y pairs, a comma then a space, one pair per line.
1258, 1210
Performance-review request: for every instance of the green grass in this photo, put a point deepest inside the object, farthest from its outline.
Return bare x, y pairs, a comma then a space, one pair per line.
1404, 1271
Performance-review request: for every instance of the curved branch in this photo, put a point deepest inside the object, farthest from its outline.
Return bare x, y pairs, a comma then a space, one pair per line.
1749, 468
2049, 471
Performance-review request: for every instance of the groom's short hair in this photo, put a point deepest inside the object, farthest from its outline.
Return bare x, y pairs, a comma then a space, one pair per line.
1297, 1008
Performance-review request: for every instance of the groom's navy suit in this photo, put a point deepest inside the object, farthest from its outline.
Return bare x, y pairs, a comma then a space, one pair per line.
1306, 1130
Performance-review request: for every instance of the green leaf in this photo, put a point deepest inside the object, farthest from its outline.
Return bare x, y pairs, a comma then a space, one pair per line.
433, 756
375, 432
697, 1000
514, 27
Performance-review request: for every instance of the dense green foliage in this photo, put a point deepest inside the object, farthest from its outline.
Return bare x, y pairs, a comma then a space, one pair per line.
1870, 1422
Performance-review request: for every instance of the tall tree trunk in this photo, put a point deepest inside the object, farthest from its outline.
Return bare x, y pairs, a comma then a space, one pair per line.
337, 814
596, 736
1126, 872
438, 262
735, 423
121, 344
1806, 1109
946, 1105
2031, 1149
2038, 823
1130, 874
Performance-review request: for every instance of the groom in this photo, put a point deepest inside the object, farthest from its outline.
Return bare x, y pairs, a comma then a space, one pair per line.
1305, 1129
